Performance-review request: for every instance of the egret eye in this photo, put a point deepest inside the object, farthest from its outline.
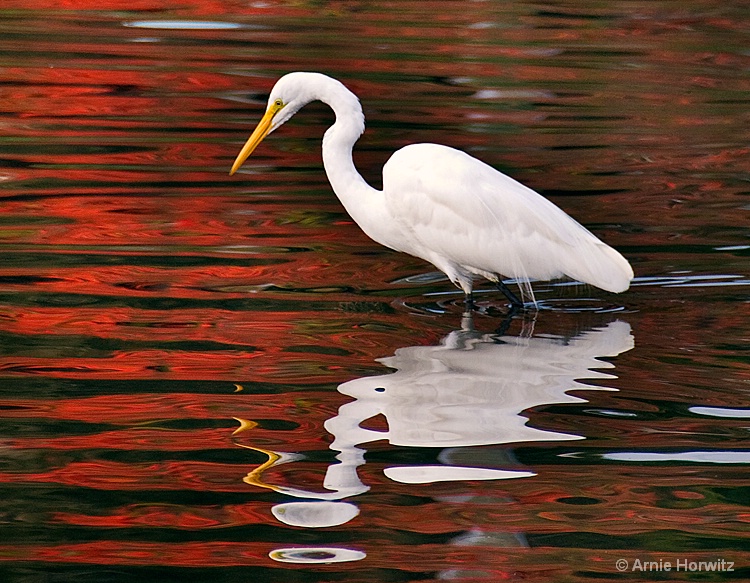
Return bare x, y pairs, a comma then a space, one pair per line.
278, 103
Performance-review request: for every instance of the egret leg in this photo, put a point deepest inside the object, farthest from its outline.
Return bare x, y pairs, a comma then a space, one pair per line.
528, 320
469, 302
502, 329
515, 303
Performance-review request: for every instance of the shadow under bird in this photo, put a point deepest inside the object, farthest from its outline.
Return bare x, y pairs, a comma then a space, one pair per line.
446, 207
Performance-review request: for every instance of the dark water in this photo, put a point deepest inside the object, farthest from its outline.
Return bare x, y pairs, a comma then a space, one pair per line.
222, 379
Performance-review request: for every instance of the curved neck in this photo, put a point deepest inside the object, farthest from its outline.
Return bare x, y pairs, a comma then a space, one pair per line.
364, 204
338, 143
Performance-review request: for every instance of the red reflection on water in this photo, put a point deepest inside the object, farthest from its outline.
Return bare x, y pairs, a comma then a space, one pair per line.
175, 476
172, 516
137, 408
116, 201
262, 346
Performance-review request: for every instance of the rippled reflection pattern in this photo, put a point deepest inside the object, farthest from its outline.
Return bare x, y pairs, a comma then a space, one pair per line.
468, 391
214, 378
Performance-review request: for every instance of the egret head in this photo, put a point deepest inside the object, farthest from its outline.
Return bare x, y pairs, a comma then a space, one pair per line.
292, 92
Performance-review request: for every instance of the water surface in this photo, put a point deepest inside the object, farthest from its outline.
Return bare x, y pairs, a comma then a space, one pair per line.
221, 378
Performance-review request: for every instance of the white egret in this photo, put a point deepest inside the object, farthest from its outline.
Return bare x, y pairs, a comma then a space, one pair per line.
446, 207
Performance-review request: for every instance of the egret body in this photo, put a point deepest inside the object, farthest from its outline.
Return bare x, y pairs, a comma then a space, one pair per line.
444, 206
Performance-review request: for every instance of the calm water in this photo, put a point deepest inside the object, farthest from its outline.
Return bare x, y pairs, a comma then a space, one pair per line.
214, 378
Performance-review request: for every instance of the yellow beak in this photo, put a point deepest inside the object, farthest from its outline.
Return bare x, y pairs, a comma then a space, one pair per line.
264, 126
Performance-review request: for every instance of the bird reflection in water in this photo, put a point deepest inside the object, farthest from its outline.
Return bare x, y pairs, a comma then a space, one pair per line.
471, 390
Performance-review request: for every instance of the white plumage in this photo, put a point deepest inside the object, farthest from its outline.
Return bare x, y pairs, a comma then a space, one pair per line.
446, 207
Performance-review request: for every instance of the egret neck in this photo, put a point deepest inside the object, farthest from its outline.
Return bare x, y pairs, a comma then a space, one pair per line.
365, 204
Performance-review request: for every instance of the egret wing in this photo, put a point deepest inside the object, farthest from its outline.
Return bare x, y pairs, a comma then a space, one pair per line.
454, 206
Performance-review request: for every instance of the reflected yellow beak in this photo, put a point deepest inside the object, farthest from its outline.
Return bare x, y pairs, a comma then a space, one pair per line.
256, 138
